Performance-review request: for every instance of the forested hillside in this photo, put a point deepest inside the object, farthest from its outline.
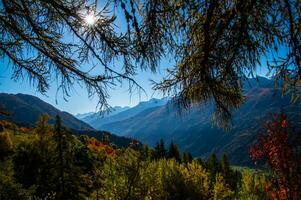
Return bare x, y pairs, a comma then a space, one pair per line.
222, 132
25, 110
49, 162
194, 130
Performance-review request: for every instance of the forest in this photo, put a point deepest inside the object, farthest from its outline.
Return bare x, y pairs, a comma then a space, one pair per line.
207, 49
49, 162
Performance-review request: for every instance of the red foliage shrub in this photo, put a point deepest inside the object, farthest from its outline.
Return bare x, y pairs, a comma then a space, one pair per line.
278, 147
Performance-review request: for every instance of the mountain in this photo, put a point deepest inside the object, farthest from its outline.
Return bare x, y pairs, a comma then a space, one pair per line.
81, 116
26, 109
91, 117
194, 131
98, 121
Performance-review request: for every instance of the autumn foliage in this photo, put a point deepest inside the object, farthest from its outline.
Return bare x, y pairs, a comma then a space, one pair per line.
96, 146
278, 147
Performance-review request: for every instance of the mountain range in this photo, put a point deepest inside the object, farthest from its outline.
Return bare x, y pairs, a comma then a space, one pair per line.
156, 119
97, 120
193, 129
25, 110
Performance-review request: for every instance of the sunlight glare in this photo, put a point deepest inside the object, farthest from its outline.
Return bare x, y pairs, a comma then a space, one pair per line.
90, 19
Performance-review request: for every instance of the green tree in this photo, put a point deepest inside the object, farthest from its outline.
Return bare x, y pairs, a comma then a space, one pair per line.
225, 169
190, 157
186, 157
173, 152
42, 127
10, 189
225, 166
60, 149
6, 145
105, 139
146, 152
69, 169
34, 168
231, 177
160, 151
200, 161
213, 167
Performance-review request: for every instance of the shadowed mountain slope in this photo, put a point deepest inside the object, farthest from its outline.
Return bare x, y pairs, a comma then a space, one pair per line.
26, 109
194, 131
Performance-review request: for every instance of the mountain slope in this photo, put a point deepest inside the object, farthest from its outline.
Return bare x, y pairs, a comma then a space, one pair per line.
130, 112
94, 117
26, 109
194, 131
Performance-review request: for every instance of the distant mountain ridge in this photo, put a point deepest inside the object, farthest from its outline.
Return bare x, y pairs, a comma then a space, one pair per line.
26, 109
193, 131
90, 117
97, 121
81, 116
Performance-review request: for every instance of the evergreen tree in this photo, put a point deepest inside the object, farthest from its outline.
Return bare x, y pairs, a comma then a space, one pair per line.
190, 157
146, 152
160, 151
44, 148
173, 152
187, 157
42, 126
105, 139
34, 166
184, 157
72, 182
231, 177
200, 161
225, 166
213, 167
60, 149
6, 146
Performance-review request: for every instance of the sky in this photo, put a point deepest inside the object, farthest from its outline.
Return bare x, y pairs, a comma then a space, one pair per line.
78, 102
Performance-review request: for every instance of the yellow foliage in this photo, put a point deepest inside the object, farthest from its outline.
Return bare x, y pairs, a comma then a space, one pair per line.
196, 177
221, 190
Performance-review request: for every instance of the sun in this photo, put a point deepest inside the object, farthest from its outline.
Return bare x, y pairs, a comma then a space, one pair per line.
90, 19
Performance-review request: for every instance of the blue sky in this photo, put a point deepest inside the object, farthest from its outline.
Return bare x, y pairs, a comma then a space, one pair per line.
79, 101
